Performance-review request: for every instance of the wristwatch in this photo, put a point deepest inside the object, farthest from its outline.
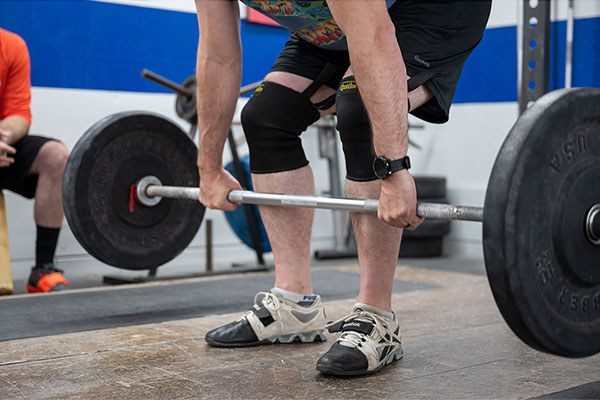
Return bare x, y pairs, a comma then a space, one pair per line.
384, 167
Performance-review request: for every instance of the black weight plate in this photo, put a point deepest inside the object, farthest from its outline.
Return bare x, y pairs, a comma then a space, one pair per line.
541, 267
430, 186
111, 156
185, 107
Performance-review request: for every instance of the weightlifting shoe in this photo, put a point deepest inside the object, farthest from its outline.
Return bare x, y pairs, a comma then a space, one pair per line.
46, 278
368, 343
273, 319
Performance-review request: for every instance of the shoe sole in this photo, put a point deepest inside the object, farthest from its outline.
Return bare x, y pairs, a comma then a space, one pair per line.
394, 356
304, 337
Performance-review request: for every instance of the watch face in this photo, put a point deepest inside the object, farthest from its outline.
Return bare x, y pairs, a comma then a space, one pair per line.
381, 167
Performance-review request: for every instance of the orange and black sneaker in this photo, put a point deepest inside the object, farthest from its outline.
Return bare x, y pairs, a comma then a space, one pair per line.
46, 279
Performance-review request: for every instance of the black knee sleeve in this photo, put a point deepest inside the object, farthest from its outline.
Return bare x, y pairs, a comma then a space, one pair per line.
273, 120
355, 132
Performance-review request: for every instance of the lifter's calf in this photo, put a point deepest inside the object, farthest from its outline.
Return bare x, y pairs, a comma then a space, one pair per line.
279, 165
378, 245
289, 228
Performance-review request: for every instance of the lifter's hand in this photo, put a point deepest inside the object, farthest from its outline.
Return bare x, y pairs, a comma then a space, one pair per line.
6, 149
398, 201
214, 188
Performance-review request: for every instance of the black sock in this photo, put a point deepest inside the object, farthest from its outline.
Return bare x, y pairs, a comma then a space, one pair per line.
45, 246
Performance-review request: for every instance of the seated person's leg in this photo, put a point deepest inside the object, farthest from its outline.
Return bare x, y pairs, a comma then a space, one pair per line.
37, 173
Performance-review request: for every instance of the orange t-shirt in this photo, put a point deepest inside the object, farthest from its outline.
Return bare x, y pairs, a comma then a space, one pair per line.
15, 76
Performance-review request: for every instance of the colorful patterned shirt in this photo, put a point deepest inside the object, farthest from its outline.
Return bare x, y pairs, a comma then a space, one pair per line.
310, 20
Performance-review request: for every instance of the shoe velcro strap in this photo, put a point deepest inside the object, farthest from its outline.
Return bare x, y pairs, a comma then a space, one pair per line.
352, 325
357, 326
264, 316
49, 281
336, 327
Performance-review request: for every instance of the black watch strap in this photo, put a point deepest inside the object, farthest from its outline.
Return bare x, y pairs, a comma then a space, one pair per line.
399, 164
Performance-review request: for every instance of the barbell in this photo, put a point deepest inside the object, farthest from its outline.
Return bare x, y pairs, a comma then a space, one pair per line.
150, 191
541, 216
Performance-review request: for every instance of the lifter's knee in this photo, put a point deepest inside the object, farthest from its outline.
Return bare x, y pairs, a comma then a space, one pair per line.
273, 120
355, 132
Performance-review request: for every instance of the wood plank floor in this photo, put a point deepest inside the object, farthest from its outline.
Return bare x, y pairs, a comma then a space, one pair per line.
456, 346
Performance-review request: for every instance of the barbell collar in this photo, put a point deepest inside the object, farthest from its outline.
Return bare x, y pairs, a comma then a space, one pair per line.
592, 224
426, 210
142, 196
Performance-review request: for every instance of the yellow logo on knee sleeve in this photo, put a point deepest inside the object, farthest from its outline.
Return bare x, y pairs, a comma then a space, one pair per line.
259, 89
348, 85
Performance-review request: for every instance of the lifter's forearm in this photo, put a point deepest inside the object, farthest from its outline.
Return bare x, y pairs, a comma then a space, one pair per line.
379, 70
218, 71
381, 75
17, 125
218, 91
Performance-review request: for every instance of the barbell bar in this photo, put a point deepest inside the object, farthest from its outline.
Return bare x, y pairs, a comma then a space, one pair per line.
185, 91
161, 80
150, 191
147, 191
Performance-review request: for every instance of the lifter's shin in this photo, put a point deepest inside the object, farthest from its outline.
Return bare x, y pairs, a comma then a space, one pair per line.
273, 120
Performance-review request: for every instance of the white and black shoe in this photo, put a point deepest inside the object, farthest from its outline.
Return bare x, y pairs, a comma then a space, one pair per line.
273, 319
368, 343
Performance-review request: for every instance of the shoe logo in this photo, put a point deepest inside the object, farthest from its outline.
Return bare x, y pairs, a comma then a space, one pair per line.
358, 326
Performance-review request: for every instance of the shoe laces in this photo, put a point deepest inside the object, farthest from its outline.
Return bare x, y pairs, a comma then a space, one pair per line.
268, 300
356, 339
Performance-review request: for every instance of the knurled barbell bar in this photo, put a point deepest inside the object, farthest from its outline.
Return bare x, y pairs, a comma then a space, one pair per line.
149, 191
541, 216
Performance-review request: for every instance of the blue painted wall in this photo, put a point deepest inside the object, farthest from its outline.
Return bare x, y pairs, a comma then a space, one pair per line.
92, 45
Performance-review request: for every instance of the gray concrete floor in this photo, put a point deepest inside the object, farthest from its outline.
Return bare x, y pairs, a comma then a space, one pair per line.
456, 346
90, 273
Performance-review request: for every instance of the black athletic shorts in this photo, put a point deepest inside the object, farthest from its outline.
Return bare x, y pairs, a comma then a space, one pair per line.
435, 36
16, 178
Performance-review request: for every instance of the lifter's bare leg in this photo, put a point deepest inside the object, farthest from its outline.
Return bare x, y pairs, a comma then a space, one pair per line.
289, 228
377, 243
